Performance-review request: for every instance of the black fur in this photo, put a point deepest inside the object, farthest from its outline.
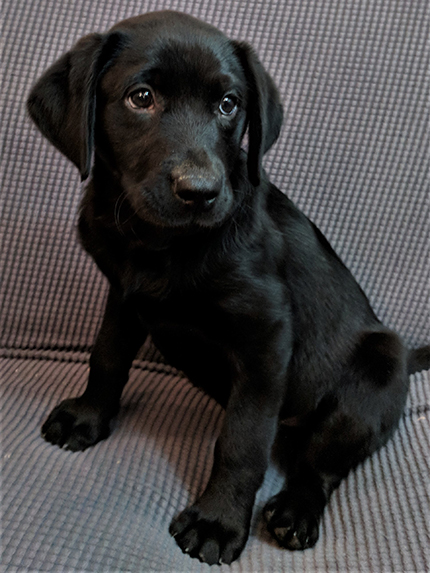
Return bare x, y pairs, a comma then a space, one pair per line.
236, 286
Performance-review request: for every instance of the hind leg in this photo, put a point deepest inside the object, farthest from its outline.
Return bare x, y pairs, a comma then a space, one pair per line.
347, 426
294, 514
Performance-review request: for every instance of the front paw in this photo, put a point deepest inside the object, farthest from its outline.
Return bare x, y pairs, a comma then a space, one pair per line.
75, 425
210, 535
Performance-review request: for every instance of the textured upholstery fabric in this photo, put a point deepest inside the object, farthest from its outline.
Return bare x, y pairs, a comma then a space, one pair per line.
108, 509
353, 154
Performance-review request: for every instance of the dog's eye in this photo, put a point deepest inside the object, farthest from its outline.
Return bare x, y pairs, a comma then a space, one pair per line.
228, 105
141, 99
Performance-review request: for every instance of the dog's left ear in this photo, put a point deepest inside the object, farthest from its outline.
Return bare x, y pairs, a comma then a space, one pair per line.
264, 109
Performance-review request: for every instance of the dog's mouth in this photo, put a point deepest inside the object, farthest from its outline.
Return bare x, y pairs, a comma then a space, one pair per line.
165, 205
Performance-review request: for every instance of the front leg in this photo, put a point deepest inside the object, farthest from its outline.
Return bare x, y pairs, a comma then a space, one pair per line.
215, 529
78, 423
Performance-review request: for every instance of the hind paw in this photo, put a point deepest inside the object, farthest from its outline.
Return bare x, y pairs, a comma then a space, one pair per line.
292, 524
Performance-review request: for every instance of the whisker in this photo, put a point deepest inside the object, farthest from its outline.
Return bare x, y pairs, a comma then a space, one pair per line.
117, 209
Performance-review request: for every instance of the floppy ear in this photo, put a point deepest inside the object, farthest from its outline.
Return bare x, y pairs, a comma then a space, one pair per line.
264, 109
63, 102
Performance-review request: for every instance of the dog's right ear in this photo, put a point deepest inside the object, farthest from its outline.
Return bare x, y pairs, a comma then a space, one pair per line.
63, 102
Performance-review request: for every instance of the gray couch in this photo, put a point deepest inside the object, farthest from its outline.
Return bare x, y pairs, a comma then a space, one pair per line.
353, 155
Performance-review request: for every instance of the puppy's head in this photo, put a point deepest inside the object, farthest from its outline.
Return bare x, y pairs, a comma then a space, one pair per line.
162, 101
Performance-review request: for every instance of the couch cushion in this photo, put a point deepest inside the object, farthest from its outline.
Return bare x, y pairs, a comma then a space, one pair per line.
109, 508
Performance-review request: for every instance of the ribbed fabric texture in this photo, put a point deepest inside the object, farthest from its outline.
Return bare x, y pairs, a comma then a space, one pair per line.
108, 509
353, 154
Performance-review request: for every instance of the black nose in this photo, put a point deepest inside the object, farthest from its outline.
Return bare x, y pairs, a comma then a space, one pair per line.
195, 188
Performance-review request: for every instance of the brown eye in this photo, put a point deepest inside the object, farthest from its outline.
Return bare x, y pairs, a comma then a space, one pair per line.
141, 99
228, 105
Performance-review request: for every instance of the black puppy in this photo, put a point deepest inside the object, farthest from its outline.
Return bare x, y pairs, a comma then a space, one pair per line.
235, 285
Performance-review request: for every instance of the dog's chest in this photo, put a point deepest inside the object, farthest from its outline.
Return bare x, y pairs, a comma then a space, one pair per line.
190, 293
179, 312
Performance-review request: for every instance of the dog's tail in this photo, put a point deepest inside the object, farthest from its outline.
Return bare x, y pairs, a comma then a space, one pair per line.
418, 359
